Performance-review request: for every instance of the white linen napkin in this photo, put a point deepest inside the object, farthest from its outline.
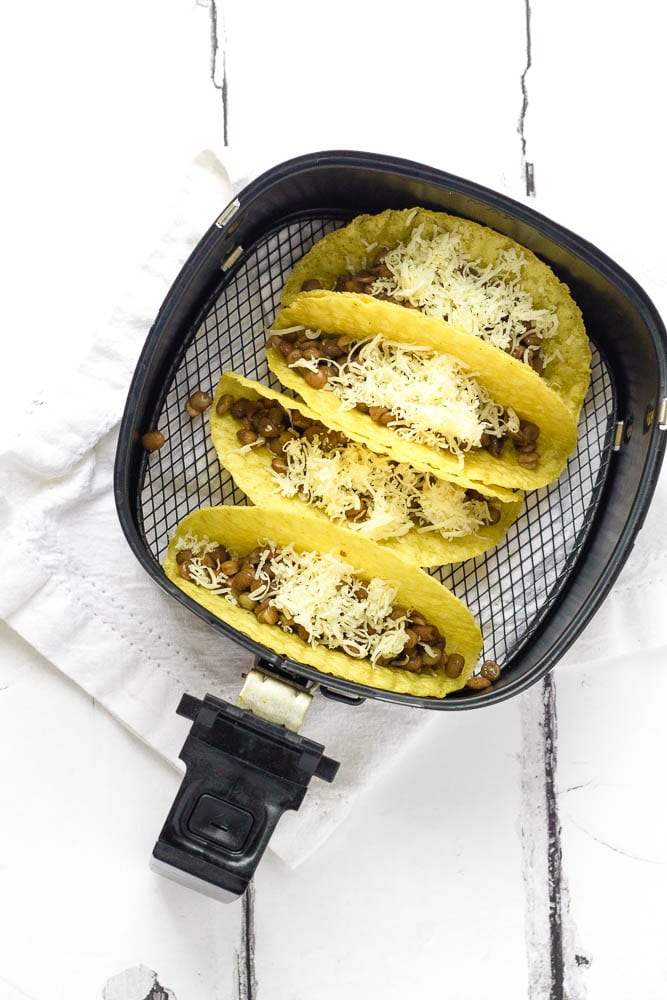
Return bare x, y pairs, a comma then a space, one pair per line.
73, 589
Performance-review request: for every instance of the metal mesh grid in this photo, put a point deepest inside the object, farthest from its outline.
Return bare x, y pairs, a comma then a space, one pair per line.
512, 588
509, 590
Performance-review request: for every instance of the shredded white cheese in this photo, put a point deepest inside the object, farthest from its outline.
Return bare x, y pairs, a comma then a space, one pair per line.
321, 593
390, 498
486, 300
433, 398
197, 544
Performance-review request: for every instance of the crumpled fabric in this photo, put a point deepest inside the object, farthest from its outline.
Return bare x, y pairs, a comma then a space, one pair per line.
74, 590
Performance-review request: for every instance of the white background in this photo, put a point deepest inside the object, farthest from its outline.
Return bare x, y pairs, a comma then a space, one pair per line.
435, 885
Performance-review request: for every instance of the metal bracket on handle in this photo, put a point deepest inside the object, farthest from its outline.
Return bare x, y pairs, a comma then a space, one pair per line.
271, 698
243, 770
662, 414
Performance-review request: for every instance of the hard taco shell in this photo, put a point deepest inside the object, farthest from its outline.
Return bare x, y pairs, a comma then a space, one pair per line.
251, 471
240, 529
347, 250
509, 382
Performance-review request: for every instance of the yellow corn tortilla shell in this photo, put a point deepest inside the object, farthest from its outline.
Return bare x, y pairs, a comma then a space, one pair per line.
346, 249
251, 471
509, 382
240, 529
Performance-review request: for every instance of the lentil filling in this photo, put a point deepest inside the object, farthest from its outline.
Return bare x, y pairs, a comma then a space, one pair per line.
320, 359
292, 440
380, 281
261, 581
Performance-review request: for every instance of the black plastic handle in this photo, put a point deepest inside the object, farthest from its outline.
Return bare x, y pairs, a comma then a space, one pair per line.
242, 773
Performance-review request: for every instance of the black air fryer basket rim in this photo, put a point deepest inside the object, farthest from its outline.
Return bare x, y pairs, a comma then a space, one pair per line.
157, 356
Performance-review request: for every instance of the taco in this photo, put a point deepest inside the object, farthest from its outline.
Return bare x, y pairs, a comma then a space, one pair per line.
470, 414
321, 596
464, 274
281, 455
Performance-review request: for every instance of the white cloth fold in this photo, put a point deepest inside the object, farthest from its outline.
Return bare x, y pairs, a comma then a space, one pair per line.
74, 590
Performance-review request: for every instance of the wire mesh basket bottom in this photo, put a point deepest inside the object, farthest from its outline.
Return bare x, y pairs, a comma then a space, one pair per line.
510, 589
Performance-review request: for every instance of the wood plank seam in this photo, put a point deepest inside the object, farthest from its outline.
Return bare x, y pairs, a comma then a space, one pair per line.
528, 169
245, 961
218, 53
554, 852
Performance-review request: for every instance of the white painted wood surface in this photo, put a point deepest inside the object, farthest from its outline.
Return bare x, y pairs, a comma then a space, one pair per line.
438, 883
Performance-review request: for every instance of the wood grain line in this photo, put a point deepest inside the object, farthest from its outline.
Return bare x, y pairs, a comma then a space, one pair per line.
216, 54
245, 962
540, 842
554, 852
528, 169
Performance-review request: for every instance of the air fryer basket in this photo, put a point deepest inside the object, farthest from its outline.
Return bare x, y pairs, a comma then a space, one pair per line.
535, 592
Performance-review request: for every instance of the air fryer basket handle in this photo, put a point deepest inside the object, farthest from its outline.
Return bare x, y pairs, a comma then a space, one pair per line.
242, 773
